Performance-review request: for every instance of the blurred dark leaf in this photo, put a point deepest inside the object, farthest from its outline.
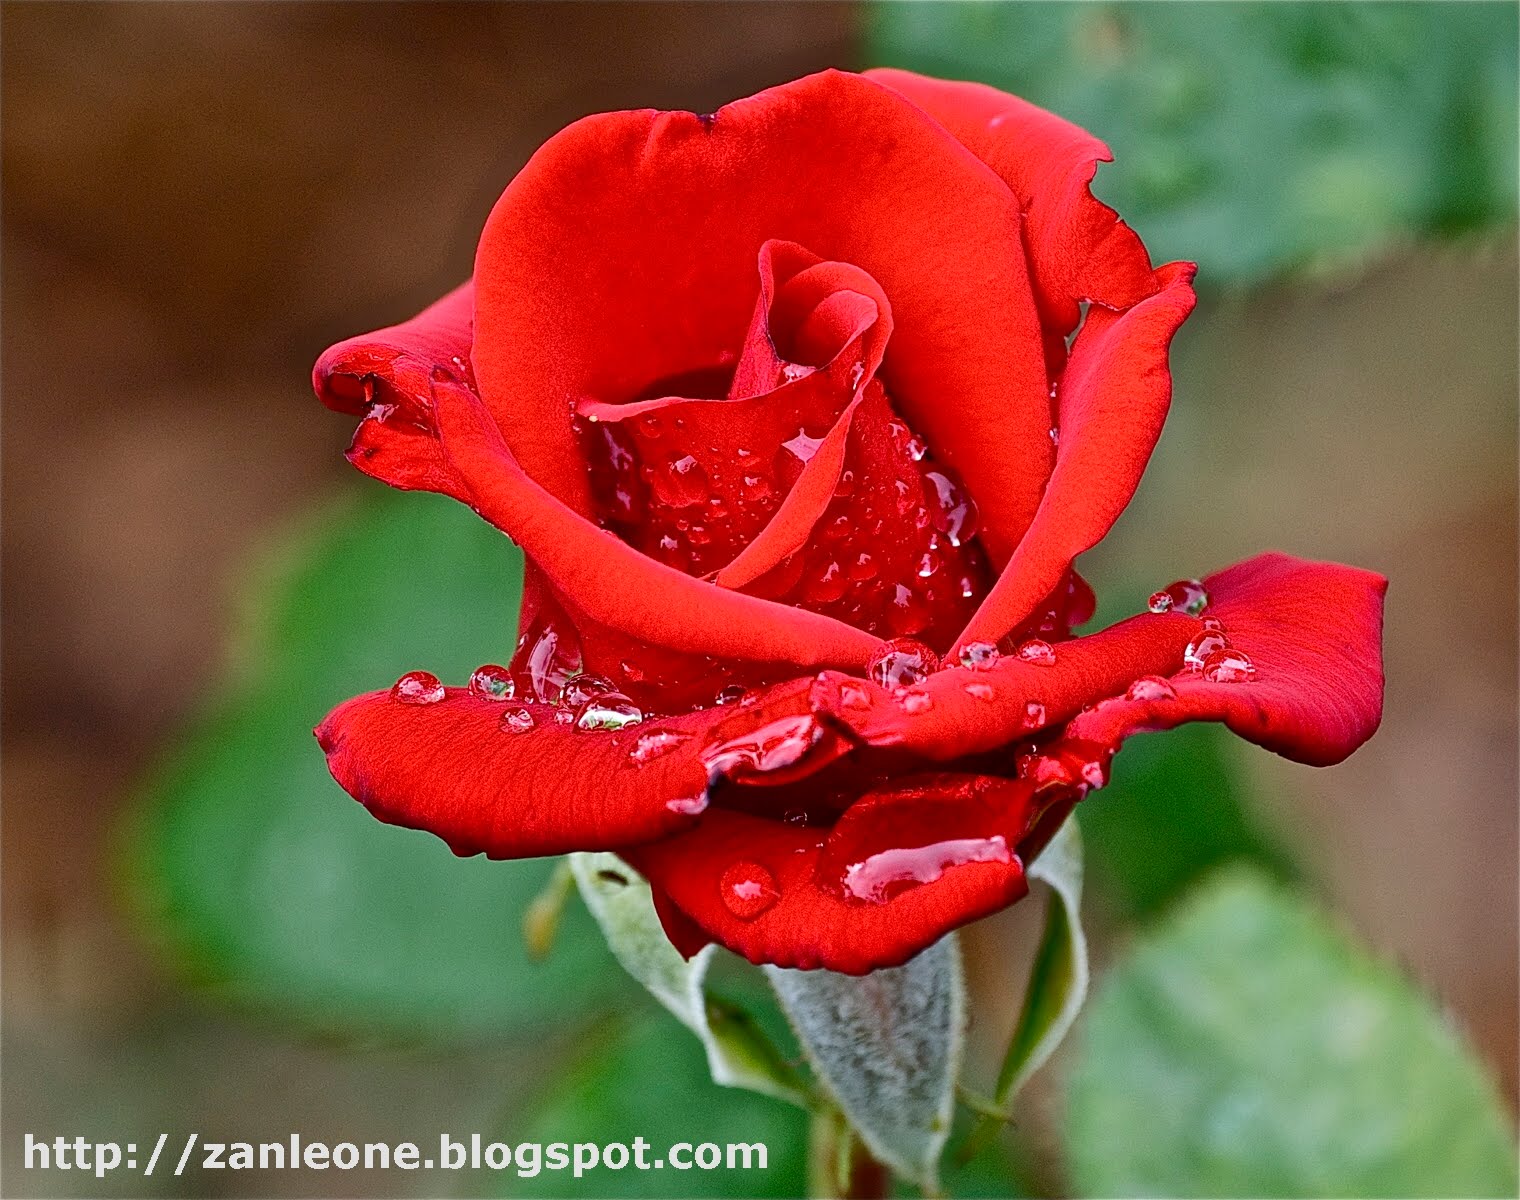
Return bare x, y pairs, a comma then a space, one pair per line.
1177, 806
1255, 137
650, 1080
273, 887
1245, 1047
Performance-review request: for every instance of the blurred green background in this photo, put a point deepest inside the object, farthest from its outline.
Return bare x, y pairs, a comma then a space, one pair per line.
201, 932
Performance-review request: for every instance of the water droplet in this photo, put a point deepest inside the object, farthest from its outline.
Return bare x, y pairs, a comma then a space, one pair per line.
517, 720
491, 682
1186, 595
650, 425
564, 716
1151, 687
928, 564
688, 806
826, 585
863, 568
608, 710
732, 694
418, 687
979, 691
681, 483
915, 702
770, 749
1213, 624
979, 656
901, 662
792, 372
883, 875
1055, 436
1228, 666
581, 687
795, 816
1201, 647
857, 373
1034, 715
853, 695
656, 744
956, 518
1038, 652
802, 446
917, 448
748, 890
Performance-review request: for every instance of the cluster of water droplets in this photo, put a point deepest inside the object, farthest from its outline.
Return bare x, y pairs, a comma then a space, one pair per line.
1210, 654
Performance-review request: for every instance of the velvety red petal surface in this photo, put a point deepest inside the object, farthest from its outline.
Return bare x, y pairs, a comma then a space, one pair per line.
1314, 633
610, 580
770, 891
453, 769
1112, 403
386, 378
1078, 247
624, 253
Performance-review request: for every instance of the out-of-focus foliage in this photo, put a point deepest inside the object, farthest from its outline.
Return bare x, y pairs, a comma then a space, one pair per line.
273, 886
648, 1078
1255, 138
1244, 1047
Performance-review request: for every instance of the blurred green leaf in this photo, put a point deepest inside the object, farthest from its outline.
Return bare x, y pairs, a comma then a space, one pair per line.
650, 1080
1177, 806
267, 882
738, 1054
1245, 1047
1255, 137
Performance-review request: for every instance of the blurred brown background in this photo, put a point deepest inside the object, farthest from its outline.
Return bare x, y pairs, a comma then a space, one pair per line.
199, 197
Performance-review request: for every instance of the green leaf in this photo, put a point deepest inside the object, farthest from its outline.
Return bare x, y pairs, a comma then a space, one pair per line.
266, 882
1178, 806
738, 1055
887, 1047
650, 1080
1245, 1047
1255, 138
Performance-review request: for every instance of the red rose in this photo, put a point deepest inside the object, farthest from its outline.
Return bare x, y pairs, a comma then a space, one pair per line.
779, 405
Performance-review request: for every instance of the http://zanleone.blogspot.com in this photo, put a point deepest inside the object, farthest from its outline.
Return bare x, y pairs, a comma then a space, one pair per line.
527, 1159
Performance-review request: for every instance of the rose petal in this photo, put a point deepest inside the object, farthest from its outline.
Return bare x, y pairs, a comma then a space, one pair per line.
1113, 401
811, 924
1079, 249
624, 253
386, 377
451, 769
1312, 630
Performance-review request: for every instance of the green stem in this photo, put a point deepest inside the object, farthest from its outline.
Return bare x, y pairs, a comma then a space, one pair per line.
839, 1165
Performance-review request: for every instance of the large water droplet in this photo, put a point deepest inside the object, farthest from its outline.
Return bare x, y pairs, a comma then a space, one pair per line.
517, 720
1151, 687
656, 744
885, 874
608, 710
418, 687
492, 682
581, 687
681, 483
901, 662
1186, 595
979, 656
768, 750
956, 517
1201, 647
1040, 653
748, 890
1228, 666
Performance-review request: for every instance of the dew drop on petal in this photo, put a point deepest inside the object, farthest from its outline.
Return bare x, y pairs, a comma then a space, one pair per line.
1034, 715
882, 876
1160, 602
979, 691
1150, 687
1187, 595
608, 710
1040, 653
1228, 666
770, 749
582, 687
688, 806
564, 716
656, 744
748, 890
1213, 624
901, 662
915, 702
979, 656
492, 682
1201, 647
853, 695
734, 693
418, 687
517, 720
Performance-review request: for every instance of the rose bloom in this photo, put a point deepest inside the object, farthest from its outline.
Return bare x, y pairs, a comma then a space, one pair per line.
800, 412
